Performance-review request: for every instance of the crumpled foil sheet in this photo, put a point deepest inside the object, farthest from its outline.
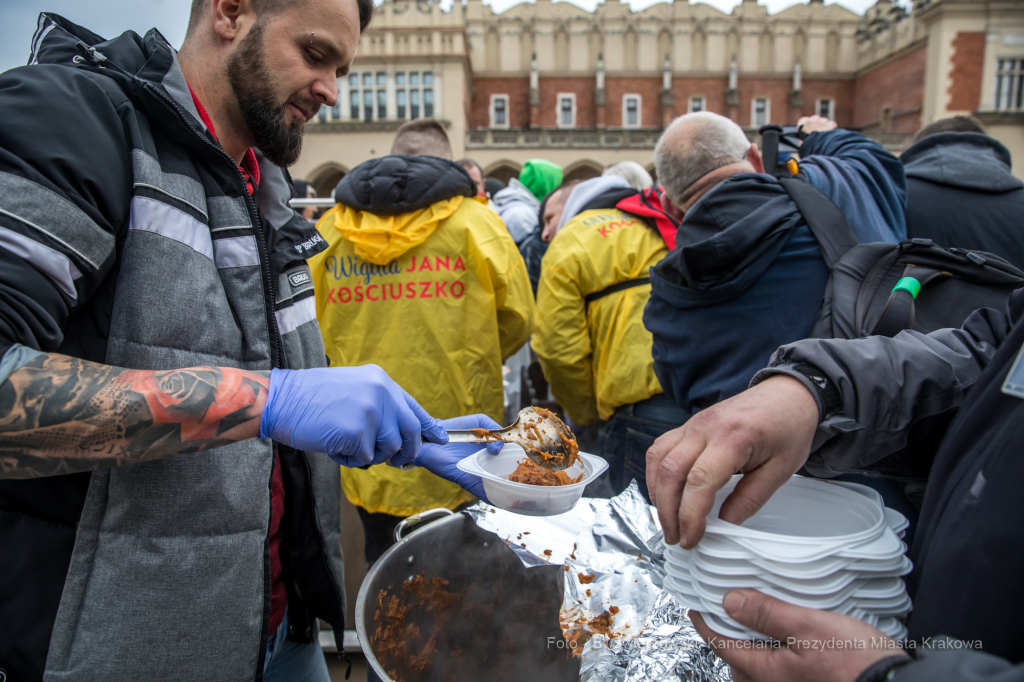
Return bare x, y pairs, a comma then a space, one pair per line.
618, 542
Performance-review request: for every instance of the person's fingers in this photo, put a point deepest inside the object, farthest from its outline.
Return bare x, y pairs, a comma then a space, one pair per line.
671, 479
754, 489
342, 460
768, 615
358, 447
494, 448
700, 626
432, 429
409, 430
663, 444
388, 440
722, 458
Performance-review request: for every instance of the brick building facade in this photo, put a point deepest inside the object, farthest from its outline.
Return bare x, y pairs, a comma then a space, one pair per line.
586, 89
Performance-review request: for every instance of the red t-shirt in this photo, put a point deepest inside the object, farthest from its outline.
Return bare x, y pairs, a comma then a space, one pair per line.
250, 171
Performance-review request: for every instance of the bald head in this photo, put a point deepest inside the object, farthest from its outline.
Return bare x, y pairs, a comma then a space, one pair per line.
694, 146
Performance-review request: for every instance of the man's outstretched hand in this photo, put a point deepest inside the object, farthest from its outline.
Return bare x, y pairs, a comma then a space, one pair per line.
813, 646
357, 415
764, 432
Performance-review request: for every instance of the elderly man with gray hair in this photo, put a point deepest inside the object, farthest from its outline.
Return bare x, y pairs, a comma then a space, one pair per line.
747, 275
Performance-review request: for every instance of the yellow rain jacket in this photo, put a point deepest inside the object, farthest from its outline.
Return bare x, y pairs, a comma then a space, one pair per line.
598, 356
438, 297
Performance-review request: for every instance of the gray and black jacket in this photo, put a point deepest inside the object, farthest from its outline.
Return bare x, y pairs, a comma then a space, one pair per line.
968, 551
127, 237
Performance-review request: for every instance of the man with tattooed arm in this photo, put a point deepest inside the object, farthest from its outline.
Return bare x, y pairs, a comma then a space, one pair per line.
164, 511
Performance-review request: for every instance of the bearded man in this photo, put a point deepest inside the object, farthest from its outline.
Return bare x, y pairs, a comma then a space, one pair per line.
163, 395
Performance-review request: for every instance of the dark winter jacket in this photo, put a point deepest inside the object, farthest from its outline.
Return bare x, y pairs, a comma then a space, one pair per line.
960, 192
968, 551
747, 276
127, 237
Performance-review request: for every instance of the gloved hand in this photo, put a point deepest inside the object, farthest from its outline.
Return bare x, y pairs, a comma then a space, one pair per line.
443, 460
357, 415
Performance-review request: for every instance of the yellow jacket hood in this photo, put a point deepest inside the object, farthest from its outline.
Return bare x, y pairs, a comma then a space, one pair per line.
380, 239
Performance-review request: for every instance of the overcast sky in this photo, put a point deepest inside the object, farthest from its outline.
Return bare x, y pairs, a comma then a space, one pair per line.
109, 18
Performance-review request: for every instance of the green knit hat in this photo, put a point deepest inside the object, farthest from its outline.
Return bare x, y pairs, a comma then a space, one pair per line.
540, 177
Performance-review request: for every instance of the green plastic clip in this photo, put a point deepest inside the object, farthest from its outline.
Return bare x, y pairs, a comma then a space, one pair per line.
908, 284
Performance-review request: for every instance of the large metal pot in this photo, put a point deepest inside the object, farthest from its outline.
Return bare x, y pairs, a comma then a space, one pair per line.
497, 620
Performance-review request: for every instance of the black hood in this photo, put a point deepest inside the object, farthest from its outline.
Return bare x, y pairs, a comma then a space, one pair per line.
400, 183
144, 68
727, 240
966, 160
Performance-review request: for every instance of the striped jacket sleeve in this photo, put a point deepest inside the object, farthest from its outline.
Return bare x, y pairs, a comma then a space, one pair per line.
65, 193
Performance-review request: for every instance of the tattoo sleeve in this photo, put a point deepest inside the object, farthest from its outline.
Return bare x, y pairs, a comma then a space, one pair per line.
62, 415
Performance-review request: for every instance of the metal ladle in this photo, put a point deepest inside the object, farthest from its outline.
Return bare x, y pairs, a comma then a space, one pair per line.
545, 438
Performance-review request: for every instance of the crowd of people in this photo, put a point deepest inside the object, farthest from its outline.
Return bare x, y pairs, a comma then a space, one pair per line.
186, 361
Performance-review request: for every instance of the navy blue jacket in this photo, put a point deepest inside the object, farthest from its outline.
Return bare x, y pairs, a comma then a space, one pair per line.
747, 276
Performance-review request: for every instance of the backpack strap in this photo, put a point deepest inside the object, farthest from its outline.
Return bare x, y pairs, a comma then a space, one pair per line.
827, 222
619, 286
899, 311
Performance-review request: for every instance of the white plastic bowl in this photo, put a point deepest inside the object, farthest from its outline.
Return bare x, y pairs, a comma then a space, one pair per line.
815, 544
522, 498
804, 511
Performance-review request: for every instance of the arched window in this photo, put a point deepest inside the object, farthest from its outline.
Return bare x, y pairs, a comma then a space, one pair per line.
732, 46
766, 52
596, 44
698, 58
832, 51
561, 50
526, 47
800, 47
492, 47
629, 48
665, 45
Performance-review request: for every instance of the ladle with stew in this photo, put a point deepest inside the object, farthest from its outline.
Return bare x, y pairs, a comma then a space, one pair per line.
545, 438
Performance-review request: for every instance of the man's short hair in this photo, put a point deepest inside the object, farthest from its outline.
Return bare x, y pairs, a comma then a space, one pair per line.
422, 137
566, 185
270, 7
953, 124
710, 142
470, 163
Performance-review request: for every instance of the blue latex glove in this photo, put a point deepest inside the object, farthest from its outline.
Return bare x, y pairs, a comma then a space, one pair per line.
357, 415
443, 460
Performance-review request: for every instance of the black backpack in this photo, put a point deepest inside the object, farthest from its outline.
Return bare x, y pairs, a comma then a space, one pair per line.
881, 288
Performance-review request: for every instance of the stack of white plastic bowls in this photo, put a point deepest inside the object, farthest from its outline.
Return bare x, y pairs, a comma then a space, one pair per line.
824, 545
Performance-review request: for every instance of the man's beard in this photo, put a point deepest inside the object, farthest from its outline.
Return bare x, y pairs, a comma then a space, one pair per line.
251, 80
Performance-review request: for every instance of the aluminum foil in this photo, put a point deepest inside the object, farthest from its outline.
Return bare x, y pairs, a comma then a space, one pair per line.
613, 553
